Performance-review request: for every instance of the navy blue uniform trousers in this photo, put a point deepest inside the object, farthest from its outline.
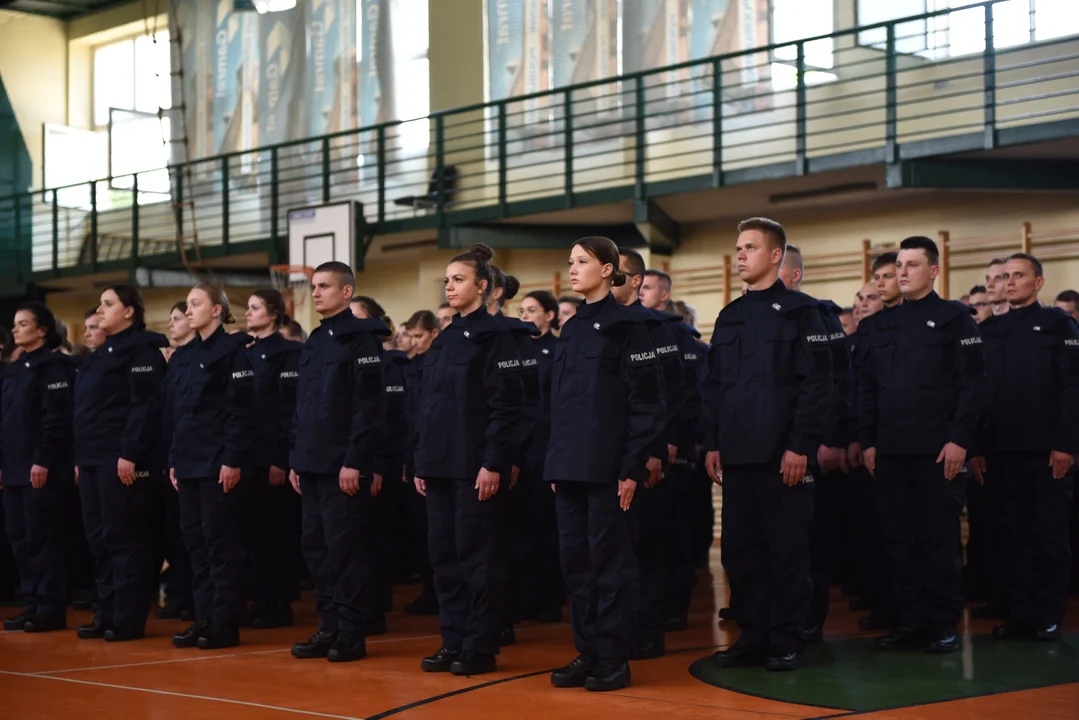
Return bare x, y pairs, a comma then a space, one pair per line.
652, 543
919, 513
1032, 513
765, 545
210, 521
114, 516
468, 556
681, 575
596, 541
822, 541
34, 529
333, 540
272, 539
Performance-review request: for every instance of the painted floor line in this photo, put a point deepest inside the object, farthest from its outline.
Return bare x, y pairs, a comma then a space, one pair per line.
700, 705
295, 711
159, 662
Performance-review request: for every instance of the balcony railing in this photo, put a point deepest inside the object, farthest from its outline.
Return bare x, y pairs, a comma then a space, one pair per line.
724, 120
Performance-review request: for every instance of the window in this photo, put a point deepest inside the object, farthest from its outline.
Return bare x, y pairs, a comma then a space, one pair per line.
132, 74
794, 20
1055, 18
412, 77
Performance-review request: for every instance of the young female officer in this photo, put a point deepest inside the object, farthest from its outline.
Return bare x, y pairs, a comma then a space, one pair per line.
36, 437
470, 404
424, 326
607, 410
542, 592
505, 288
215, 425
117, 453
178, 601
272, 505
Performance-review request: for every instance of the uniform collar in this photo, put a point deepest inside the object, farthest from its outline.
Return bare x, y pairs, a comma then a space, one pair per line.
591, 310
114, 340
927, 300
769, 294
270, 340
468, 321
214, 336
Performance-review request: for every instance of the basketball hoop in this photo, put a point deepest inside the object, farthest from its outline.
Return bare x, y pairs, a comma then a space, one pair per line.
294, 283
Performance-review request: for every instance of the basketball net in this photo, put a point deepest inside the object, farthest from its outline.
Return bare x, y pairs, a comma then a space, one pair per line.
294, 283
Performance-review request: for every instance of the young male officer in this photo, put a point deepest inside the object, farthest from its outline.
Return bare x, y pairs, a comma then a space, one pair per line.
1031, 439
922, 389
767, 389
340, 404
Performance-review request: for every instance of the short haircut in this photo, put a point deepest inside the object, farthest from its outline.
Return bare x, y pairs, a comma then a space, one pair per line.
571, 299
888, 258
92, 312
634, 261
1068, 296
663, 278
794, 255
978, 289
1034, 262
341, 272
920, 242
847, 311
444, 305
997, 261
770, 228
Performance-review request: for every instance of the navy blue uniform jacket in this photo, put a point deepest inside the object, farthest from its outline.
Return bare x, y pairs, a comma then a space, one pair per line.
543, 348
215, 411
607, 406
522, 333
118, 397
838, 432
178, 367
275, 362
393, 440
341, 397
768, 387
470, 400
1033, 359
37, 416
923, 382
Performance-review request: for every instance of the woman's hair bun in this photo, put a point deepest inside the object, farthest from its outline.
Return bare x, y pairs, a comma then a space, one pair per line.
285, 320
618, 279
512, 286
228, 319
482, 250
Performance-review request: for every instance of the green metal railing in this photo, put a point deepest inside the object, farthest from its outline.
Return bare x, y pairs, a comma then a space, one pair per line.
729, 119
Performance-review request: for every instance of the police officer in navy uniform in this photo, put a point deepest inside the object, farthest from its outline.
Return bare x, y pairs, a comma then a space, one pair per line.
607, 415
541, 590
388, 510
179, 602
922, 390
211, 446
655, 294
471, 401
117, 454
275, 547
505, 288
1031, 437
424, 326
831, 455
36, 466
340, 405
653, 518
767, 390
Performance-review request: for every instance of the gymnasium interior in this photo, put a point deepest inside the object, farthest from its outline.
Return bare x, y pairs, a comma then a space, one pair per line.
169, 142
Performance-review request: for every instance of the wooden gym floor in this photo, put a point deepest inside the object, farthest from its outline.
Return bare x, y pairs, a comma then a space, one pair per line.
57, 676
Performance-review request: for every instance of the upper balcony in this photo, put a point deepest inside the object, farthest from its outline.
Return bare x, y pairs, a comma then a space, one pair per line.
887, 100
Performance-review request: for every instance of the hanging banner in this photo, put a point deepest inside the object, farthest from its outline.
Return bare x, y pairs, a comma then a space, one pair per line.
282, 46
505, 47
192, 89
323, 84
376, 64
226, 61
